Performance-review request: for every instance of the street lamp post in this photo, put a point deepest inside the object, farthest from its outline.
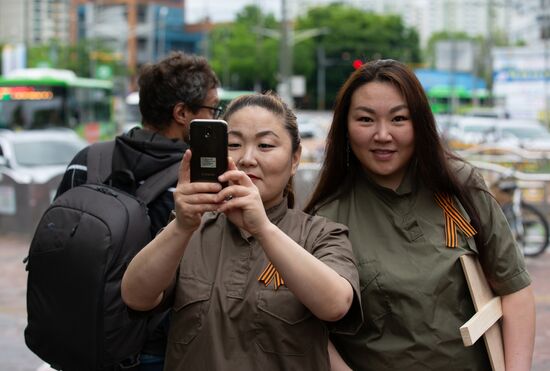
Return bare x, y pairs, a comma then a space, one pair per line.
544, 23
163, 12
288, 38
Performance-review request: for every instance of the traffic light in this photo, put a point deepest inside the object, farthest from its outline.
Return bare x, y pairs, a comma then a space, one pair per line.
357, 63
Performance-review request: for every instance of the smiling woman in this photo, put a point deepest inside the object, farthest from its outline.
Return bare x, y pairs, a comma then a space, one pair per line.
381, 132
385, 170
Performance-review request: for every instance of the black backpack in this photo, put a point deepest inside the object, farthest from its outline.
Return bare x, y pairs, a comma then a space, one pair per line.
80, 250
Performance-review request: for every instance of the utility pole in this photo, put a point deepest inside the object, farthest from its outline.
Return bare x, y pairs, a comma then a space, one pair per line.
258, 49
163, 13
490, 42
321, 77
288, 38
544, 22
132, 43
285, 58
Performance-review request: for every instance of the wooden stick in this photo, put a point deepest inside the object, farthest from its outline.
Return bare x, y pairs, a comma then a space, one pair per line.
481, 295
472, 330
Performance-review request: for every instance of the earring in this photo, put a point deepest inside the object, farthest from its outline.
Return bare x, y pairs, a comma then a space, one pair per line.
347, 152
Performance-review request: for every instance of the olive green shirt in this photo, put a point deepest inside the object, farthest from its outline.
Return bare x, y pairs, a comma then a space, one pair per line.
414, 293
223, 318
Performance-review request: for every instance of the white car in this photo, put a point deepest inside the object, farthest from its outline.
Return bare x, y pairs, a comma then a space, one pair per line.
32, 164
527, 134
465, 131
313, 127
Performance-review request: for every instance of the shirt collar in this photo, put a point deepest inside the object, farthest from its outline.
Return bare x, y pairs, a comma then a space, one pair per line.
406, 187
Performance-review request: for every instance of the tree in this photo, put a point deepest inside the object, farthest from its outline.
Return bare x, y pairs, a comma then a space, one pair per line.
354, 34
80, 58
242, 58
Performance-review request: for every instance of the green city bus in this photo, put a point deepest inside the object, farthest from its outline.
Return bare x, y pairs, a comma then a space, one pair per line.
38, 98
441, 99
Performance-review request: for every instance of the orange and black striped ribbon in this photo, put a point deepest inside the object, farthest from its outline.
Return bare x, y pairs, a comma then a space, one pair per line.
270, 274
453, 219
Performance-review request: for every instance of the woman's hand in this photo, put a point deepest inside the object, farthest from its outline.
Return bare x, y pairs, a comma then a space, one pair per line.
241, 201
192, 200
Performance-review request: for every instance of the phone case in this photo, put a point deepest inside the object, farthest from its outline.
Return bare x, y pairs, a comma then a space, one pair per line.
208, 141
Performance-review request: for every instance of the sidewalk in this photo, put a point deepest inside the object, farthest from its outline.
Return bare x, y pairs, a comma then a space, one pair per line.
15, 356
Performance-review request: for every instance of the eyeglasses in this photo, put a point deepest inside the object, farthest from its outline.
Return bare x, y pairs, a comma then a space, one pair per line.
216, 111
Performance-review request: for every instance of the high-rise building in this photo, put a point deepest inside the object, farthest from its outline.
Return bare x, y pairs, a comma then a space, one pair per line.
473, 17
34, 22
141, 30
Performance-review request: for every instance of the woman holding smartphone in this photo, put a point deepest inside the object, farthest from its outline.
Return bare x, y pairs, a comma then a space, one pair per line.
253, 283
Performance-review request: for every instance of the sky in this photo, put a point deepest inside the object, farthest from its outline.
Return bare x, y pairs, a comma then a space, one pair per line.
225, 10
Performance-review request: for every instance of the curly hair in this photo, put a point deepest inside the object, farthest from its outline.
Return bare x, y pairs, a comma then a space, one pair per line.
179, 78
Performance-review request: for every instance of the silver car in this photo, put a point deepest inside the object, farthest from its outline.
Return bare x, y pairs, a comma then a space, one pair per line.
32, 164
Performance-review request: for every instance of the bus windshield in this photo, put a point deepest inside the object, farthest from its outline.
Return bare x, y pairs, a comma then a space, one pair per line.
36, 107
43, 98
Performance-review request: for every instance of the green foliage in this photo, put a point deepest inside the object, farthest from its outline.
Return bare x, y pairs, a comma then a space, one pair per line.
354, 34
1, 48
244, 58
80, 58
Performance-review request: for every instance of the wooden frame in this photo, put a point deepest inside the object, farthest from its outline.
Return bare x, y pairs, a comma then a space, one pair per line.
489, 311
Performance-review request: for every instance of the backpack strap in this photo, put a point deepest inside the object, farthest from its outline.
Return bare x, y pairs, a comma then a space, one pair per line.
157, 183
100, 161
100, 164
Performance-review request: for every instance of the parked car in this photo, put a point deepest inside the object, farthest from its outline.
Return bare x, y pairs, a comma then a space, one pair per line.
527, 134
32, 164
464, 131
313, 127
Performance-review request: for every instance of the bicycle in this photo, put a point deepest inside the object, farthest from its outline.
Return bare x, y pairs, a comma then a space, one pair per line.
528, 224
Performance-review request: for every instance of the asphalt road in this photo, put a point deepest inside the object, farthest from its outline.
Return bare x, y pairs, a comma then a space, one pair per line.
14, 355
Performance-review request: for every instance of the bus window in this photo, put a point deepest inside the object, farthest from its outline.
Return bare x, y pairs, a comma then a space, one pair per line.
38, 98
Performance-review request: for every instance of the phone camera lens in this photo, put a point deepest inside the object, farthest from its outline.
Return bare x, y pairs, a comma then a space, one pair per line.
207, 134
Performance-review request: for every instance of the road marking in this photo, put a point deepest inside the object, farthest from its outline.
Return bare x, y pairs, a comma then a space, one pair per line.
45, 367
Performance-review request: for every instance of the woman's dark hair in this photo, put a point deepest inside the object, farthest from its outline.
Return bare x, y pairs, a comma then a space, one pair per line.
274, 104
179, 78
431, 159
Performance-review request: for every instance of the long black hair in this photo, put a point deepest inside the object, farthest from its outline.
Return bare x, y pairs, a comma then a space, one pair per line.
432, 160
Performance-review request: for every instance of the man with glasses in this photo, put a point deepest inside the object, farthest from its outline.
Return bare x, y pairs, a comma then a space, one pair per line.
172, 92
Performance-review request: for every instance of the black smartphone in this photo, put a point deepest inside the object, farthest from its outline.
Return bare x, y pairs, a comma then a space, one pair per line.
208, 141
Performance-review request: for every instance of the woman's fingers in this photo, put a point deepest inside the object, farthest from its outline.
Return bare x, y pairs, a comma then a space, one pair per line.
231, 164
184, 172
232, 192
185, 185
199, 198
193, 209
236, 177
233, 203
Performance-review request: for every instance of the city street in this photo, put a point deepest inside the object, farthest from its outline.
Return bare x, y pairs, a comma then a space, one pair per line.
14, 356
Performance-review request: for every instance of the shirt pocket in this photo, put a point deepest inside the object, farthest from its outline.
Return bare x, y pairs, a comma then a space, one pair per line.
374, 296
190, 307
285, 324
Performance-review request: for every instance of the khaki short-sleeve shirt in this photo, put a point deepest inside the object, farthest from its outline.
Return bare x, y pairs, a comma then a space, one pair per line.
414, 293
223, 318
